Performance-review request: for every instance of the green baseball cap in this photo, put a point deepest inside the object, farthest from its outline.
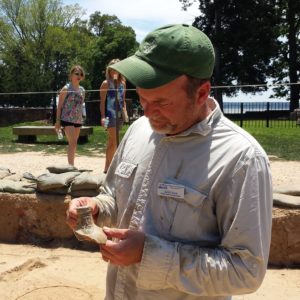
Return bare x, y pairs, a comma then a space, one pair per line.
167, 53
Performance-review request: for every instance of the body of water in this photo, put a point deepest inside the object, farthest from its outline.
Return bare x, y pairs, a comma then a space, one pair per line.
235, 107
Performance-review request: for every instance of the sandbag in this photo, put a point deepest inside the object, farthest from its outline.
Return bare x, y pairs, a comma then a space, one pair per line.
84, 193
14, 177
284, 200
50, 181
288, 190
4, 172
87, 181
29, 176
58, 169
57, 191
20, 187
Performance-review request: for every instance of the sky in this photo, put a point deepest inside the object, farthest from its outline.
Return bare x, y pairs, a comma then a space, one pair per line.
142, 15
146, 15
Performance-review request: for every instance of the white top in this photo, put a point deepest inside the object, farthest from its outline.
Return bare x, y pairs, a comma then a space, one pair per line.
204, 200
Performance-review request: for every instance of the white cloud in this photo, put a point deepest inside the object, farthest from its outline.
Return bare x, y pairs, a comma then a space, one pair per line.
142, 15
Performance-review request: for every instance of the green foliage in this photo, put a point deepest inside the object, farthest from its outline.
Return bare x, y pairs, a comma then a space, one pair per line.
243, 48
255, 40
113, 40
287, 63
29, 45
187, 3
41, 39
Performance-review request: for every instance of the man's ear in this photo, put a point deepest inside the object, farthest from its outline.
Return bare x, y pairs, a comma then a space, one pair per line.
203, 92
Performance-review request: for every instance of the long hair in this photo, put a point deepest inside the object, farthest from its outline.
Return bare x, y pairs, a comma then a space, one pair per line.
108, 76
77, 68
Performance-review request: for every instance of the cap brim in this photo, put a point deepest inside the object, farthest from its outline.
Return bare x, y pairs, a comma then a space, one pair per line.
141, 74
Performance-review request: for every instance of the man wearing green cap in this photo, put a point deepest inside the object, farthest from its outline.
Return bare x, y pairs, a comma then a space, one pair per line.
188, 197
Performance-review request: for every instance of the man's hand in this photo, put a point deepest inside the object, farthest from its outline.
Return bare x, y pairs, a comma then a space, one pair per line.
128, 250
76, 202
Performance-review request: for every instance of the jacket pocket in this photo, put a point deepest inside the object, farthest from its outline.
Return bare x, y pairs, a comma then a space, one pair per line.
179, 218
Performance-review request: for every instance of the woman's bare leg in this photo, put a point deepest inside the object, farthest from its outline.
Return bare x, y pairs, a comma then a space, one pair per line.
111, 146
72, 134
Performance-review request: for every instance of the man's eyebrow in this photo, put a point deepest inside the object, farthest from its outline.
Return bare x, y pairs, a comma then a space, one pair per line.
161, 99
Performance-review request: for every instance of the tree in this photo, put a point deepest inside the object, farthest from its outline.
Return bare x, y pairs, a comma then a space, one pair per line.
41, 39
98, 23
244, 34
287, 63
28, 42
113, 40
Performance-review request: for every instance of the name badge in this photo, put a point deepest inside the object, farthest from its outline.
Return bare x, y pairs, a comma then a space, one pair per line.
125, 169
171, 190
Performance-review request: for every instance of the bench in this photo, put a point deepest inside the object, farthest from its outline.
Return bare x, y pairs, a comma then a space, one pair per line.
28, 134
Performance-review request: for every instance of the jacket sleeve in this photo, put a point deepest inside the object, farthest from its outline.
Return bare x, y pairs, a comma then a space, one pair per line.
238, 264
107, 210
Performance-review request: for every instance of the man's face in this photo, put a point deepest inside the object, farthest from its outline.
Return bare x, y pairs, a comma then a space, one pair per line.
168, 107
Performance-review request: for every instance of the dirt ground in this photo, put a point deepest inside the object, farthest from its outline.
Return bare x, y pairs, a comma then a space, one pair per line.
59, 271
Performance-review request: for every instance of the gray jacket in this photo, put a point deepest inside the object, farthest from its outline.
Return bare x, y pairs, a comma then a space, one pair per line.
203, 199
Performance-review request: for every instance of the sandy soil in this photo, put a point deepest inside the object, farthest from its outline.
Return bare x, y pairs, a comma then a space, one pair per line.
29, 272
36, 162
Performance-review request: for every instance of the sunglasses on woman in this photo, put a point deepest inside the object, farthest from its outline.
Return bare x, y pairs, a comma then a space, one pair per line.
78, 74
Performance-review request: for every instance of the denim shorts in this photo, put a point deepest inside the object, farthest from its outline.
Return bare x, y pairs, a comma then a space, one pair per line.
112, 122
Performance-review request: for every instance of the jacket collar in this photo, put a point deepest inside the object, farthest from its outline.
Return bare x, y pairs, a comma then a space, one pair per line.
205, 126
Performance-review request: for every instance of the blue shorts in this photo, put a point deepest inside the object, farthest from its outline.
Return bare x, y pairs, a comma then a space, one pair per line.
112, 123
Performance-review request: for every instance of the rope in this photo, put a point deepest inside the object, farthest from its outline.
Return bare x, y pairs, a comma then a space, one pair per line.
213, 87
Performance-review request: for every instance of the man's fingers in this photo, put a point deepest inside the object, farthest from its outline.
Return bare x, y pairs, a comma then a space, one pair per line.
115, 232
105, 253
109, 248
72, 222
105, 259
78, 202
127, 250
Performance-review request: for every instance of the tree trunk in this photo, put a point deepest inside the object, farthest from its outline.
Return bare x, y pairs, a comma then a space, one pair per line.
218, 68
292, 42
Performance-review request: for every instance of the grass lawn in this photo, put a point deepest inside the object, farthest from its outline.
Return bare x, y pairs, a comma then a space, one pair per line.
50, 144
281, 142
